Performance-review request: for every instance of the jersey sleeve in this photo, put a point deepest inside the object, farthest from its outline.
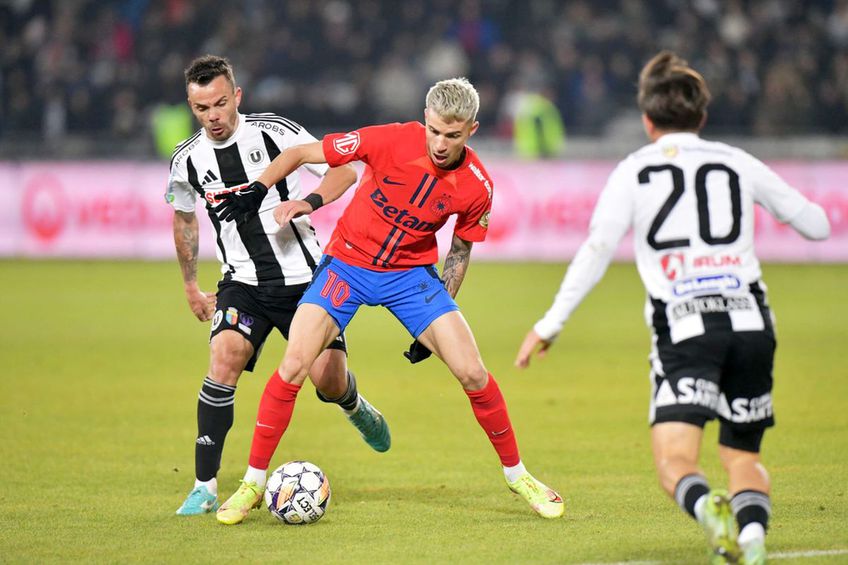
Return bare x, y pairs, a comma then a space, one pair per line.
473, 223
179, 193
774, 194
317, 169
357, 145
610, 221
614, 209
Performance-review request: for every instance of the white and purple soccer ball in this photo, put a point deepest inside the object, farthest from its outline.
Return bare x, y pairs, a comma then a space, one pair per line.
297, 492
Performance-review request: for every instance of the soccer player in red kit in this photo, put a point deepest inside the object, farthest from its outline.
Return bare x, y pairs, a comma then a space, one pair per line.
383, 252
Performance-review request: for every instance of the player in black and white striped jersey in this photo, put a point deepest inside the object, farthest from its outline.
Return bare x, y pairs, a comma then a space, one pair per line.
265, 268
690, 203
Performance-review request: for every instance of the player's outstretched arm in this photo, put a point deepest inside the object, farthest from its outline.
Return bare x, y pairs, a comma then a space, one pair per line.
186, 236
586, 269
333, 185
289, 160
812, 222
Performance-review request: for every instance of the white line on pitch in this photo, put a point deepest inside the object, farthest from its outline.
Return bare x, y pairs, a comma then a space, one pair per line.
777, 555
627, 563
811, 553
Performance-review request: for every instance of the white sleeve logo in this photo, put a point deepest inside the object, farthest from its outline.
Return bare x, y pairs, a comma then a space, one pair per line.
347, 144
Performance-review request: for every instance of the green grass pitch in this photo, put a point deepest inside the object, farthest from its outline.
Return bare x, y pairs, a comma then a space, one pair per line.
102, 362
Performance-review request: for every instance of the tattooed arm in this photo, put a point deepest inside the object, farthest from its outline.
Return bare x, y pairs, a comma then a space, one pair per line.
186, 232
456, 265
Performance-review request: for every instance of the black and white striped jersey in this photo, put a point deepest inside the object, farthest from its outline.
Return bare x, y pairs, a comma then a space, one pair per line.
258, 252
690, 203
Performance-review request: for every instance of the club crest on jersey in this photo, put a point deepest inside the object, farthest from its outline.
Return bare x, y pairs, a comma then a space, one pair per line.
232, 316
441, 205
670, 151
347, 144
255, 156
672, 265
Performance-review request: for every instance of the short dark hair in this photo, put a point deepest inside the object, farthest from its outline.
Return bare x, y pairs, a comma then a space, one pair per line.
672, 94
203, 70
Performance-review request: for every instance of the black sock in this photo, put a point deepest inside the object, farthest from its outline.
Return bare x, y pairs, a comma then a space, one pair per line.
751, 506
688, 490
214, 419
346, 400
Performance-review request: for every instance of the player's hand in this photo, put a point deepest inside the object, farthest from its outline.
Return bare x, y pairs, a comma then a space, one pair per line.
202, 304
532, 342
241, 205
291, 209
417, 352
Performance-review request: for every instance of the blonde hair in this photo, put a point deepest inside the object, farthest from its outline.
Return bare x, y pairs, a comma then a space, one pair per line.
454, 99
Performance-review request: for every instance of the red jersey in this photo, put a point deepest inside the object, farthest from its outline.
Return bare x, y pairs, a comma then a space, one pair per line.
403, 198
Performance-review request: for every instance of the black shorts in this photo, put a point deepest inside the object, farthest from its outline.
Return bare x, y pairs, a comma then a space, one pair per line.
253, 311
721, 374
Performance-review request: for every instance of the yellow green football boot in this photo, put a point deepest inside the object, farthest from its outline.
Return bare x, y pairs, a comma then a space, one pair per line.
544, 500
720, 527
238, 506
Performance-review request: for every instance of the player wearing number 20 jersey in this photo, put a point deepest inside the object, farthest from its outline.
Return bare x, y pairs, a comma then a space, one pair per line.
403, 198
690, 203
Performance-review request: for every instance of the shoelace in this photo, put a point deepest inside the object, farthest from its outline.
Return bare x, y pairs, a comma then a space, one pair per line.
531, 484
242, 491
538, 491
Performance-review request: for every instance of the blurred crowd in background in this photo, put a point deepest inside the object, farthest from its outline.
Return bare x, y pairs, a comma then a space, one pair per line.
103, 70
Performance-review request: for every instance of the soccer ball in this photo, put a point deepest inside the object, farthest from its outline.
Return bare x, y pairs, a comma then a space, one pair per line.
297, 492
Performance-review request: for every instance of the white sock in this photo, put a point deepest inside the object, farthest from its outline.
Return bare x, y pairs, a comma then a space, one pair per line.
750, 533
512, 473
258, 476
355, 408
699, 508
211, 485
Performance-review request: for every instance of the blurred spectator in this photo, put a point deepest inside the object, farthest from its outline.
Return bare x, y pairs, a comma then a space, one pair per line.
100, 69
538, 131
170, 124
786, 102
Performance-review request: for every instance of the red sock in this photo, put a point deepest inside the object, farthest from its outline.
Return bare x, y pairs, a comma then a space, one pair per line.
490, 410
275, 412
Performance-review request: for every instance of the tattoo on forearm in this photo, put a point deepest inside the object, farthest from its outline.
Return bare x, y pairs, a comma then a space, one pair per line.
186, 241
456, 265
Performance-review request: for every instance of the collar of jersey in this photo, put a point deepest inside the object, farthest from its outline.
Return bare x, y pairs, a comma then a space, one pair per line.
230, 140
677, 136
